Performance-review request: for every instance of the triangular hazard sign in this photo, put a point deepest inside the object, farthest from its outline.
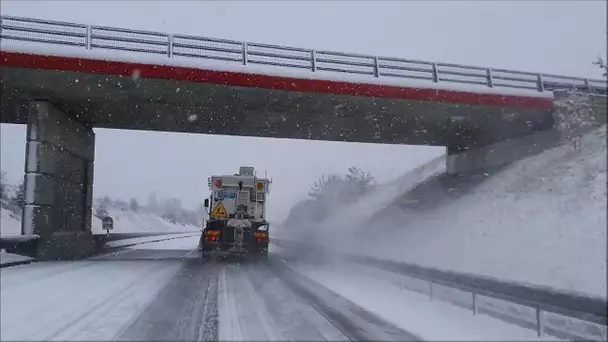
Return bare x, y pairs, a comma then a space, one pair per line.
219, 211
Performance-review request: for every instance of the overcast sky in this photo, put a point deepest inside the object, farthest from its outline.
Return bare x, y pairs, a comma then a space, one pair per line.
561, 37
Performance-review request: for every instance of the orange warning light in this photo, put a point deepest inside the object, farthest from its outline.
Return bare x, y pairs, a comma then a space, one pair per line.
260, 186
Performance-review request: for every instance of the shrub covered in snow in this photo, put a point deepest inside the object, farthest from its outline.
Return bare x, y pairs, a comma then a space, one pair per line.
329, 192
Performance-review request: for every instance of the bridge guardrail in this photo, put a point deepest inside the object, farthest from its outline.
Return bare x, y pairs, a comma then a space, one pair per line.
185, 46
542, 299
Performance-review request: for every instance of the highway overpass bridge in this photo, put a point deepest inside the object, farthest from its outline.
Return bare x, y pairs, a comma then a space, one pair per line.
64, 79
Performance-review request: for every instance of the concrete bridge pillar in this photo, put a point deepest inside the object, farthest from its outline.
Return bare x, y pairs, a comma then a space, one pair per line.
58, 183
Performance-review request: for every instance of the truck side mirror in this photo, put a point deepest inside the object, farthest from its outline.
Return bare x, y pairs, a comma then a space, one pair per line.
206, 203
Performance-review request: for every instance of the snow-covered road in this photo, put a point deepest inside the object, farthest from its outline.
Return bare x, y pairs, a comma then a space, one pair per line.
165, 291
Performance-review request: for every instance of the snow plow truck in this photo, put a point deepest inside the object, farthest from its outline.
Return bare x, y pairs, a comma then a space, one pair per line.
237, 215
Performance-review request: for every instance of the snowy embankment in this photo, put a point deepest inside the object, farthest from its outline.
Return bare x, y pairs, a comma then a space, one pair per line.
139, 222
384, 295
124, 222
541, 220
10, 221
151, 240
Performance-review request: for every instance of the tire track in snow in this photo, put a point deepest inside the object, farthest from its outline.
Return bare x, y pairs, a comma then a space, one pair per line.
61, 306
256, 306
105, 306
186, 308
356, 323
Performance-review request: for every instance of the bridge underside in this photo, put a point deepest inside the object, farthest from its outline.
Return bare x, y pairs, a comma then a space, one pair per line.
165, 105
61, 108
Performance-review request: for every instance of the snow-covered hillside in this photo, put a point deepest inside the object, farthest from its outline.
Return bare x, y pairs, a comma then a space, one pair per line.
541, 220
127, 221
10, 222
124, 222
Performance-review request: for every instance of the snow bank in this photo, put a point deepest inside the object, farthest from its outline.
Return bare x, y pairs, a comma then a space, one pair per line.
10, 222
138, 222
541, 220
411, 311
186, 242
12, 259
78, 301
124, 222
158, 242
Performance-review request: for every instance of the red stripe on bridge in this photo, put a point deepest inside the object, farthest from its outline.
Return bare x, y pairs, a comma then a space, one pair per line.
229, 78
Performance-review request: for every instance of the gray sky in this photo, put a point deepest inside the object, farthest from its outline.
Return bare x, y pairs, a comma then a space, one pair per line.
134, 163
561, 37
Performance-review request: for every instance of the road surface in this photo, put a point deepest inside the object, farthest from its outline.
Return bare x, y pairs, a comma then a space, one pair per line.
165, 291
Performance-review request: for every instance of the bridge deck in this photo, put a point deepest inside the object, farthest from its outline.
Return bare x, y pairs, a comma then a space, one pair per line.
186, 99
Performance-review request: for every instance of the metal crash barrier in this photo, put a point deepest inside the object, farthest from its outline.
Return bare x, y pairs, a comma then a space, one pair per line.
542, 299
26, 244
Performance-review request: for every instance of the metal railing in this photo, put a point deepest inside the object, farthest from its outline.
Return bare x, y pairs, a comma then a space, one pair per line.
26, 244
10, 241
185, 46
541, 299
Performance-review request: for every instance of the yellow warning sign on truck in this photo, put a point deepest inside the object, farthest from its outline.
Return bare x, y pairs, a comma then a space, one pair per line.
219, 211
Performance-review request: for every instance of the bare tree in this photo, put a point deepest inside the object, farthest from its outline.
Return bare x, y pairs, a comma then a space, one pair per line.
333, 189
153, 205
358, 183
326, 188
346, 188
2, 184
600, 63
19, 197
101, 211
133, 205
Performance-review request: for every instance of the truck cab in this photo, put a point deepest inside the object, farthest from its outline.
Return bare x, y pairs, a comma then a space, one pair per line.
237, 214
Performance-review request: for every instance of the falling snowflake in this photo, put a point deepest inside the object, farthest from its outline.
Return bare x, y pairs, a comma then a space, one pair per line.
192, 117
136, 75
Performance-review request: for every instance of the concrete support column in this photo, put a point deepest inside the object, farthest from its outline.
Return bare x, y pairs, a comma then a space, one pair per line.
58, 183
494, 156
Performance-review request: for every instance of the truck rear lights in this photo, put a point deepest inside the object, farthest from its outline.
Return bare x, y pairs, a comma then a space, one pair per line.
212, 233
262, 235
211, 238
218, 183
